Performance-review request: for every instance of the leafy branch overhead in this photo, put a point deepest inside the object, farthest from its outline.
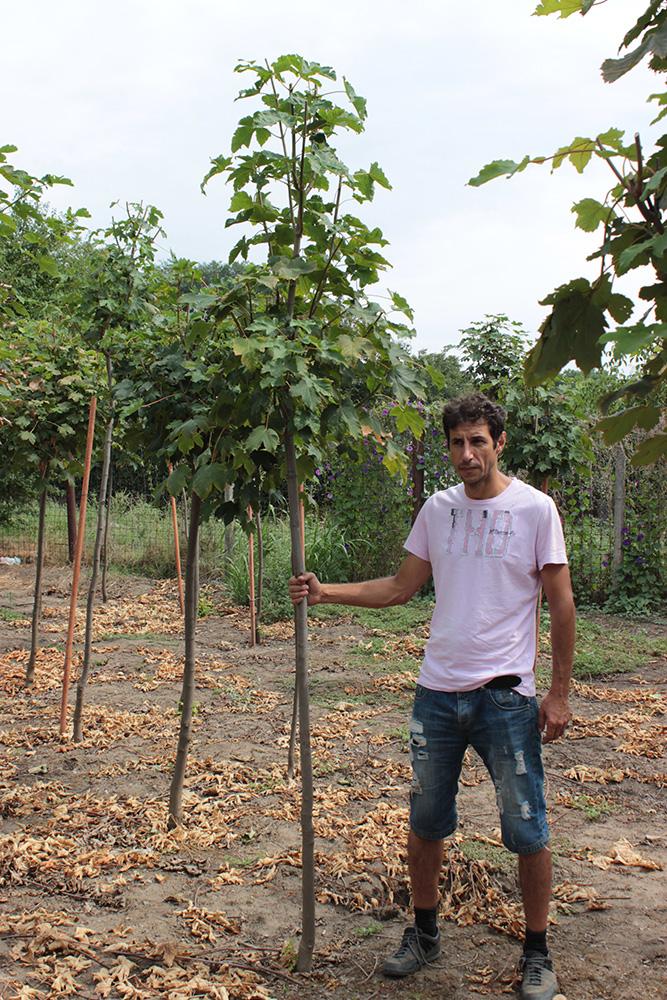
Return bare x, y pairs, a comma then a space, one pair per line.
588, 316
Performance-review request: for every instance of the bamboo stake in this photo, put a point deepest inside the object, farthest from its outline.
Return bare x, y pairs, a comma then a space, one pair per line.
77, 564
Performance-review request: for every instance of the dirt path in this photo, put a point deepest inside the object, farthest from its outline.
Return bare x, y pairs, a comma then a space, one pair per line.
97, 898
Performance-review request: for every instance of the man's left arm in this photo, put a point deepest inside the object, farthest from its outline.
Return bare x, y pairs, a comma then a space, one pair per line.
555, 706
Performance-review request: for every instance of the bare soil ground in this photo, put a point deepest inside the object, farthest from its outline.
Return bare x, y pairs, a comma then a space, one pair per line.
98, 898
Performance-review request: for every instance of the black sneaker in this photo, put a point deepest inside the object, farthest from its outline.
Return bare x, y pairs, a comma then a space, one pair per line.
416, 949
539, 980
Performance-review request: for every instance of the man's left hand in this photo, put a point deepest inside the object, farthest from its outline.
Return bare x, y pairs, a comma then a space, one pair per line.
554, 716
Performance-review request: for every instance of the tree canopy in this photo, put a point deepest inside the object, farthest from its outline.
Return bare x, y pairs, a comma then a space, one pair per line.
588, 316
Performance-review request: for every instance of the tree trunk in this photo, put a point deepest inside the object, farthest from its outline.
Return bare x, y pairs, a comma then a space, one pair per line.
305, 956
229, 531
417, 476
188, 692
177, 550
37, 603
619, 509
70, 496
260, 577
77, 719
80, 534
105, 543
251, 583
184, 497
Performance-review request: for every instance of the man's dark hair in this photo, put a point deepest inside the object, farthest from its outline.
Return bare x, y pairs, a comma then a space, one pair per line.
471, 409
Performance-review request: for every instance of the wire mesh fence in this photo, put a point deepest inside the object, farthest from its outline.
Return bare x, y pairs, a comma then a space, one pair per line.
141, 534
140, 537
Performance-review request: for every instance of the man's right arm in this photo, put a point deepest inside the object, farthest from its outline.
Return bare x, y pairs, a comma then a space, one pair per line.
382, 593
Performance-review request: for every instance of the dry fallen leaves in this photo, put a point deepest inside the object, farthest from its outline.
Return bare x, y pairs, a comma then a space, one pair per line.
89, 846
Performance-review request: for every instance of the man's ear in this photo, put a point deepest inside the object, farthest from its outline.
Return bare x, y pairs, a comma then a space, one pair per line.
500, 444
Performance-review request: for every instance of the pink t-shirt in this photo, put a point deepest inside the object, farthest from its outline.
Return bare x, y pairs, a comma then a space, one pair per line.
486, 556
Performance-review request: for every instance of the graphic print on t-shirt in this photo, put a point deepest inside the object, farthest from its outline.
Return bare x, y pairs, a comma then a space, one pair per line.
484, 533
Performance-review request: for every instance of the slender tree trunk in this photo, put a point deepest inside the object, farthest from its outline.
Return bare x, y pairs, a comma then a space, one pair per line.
184, 497
105, 544
77, 719
619, 508
251, 584
260, 577
229, 531
305, 956
80, 535
188, 692
177, 550
70, 496
417, 476
37, 603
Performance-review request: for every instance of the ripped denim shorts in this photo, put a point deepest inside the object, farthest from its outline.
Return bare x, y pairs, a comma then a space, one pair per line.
502, 726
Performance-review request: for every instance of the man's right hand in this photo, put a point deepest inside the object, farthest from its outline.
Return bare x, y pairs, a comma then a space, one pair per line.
307, 585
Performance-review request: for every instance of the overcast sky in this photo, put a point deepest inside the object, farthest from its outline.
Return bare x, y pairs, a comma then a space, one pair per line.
133, 98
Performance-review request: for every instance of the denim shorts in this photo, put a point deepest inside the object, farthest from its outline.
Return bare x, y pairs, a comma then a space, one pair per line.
502, 726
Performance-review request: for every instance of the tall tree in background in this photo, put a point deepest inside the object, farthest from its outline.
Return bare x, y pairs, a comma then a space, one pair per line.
546, 436
111, 310
50, 381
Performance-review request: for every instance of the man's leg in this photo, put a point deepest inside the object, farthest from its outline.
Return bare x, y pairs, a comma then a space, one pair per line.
508, 740
538, 981
421, 941
425, 864
436, 752
535, 881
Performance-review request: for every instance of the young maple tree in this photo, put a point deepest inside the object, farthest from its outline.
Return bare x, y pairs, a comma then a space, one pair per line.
270, 374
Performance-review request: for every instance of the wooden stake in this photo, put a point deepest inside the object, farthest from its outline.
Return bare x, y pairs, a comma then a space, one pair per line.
77, 564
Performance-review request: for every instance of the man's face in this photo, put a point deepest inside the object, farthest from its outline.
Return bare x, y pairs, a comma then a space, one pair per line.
474, 455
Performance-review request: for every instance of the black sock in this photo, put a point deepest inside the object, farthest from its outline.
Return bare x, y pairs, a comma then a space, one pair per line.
427, 920
536, 941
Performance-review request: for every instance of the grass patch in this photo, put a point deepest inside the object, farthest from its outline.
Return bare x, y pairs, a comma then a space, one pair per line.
594, 806
7, 615
608, 647
478, 850
399, 620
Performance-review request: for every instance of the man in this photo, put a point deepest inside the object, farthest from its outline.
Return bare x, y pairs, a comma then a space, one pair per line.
490, 543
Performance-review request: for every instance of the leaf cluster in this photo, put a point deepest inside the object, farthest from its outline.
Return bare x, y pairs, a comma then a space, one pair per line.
587, 317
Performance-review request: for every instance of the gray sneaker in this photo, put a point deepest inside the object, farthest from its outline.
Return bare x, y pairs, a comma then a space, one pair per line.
416, 949
539, 980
